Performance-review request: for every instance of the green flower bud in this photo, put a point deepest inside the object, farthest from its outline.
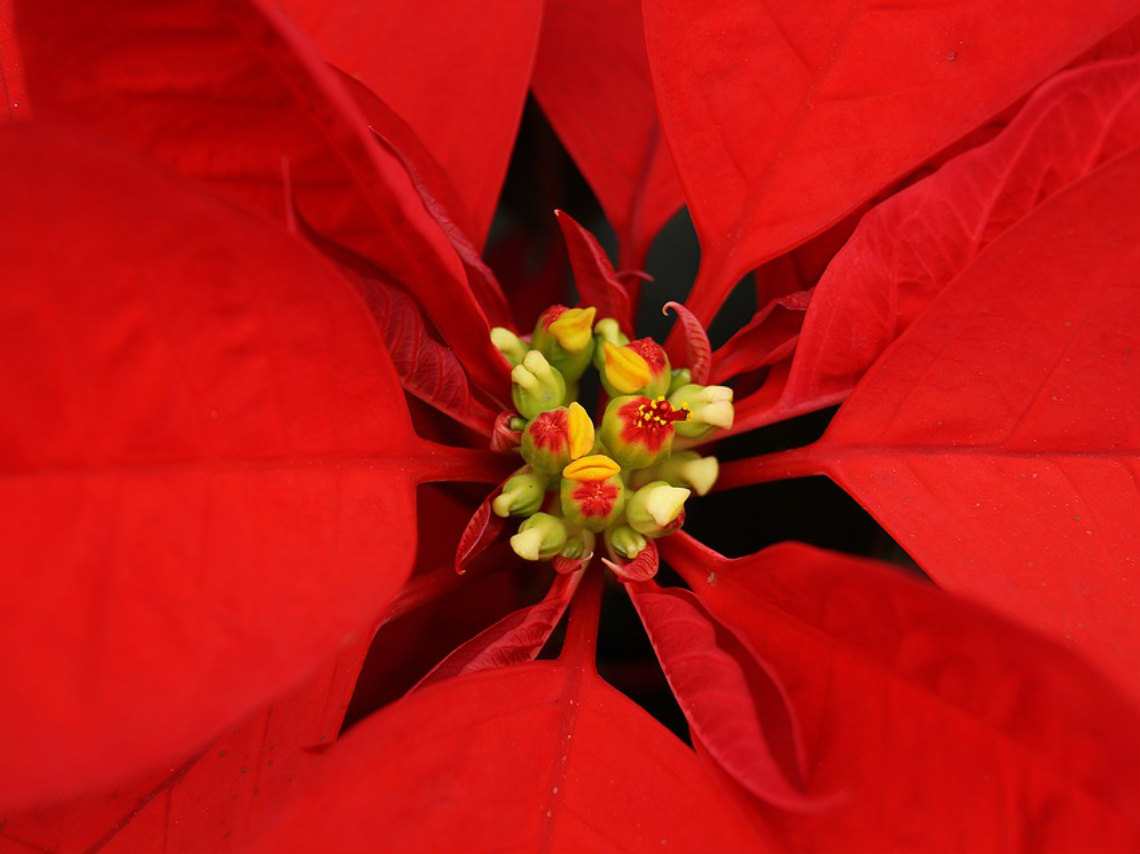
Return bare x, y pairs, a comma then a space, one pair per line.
638, 432
522, 495
657, 509
683, 468
565, 337
625, 541
540, 537
579, 543
509, 344
681, 376
606, 330
536, 386
710, 408
593, 493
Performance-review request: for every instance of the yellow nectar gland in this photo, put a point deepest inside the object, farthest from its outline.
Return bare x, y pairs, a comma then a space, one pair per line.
626, 370
574, 329
593, 467
580, 430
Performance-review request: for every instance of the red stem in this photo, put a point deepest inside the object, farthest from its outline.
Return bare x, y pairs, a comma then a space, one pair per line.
782, 465
579, 650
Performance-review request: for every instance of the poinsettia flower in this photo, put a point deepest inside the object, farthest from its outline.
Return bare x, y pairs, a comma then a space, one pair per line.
210, 467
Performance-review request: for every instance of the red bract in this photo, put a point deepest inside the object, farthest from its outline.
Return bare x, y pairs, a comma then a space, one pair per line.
246, 320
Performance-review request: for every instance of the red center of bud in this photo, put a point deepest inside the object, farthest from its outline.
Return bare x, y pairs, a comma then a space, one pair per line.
652, 352
551, 315
596, 497
649, 421
548, 429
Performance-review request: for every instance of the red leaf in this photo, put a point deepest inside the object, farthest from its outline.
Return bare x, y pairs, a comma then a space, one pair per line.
769, 337
783, 117
515, 639
910, 247
592, 80
203, 447
535, 757
437, 193
698, 354
641, 568
198, 806
225, 91
737, 708
998, 439
483, 529
942, 726
594, 275
13, 97
455, 70
427, 369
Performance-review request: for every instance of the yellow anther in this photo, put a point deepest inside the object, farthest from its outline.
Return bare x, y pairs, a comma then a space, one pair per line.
580, 429
625, 370
574, 329
593, 467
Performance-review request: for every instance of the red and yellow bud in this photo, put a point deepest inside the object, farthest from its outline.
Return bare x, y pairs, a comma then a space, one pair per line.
639, 367
593, 493
657, 509
566, 337
554, 438
638, 431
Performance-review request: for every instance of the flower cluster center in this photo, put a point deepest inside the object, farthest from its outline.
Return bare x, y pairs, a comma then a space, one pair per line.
621, 478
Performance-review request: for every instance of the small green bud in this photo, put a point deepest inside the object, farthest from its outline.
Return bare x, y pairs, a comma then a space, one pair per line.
522, 495
683, 468
681, 376
606, 330
710, 408
509, 344
540, 537
657, 509
536, 386
579, 542
627, 542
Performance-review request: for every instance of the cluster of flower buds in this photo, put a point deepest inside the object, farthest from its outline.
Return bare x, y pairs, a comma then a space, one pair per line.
622, 480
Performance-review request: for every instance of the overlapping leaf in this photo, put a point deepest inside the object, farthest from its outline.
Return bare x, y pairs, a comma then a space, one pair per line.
536, 757
226, 92
907, 249
217, 793
998, 440
934, 724
592, 79
911, 246
735, 706
515, 639
783, 117
202, 453
424, 60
